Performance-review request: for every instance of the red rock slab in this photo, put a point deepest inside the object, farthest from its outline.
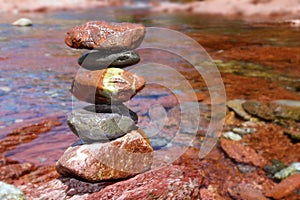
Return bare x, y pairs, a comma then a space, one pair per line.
106, 86
121, 158
14, 171
107, 36
26, 134
38, 176
62, 188
209, 193
169, 182
246, 192
285, 187
241, 153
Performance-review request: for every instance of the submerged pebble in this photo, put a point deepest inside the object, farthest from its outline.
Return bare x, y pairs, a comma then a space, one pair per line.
22, 22
275, 167
294, 168
294, 134
286, 109
244, 131
232, 136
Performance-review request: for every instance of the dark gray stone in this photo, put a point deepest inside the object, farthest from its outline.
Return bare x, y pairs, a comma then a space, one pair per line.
97, 60
100, 123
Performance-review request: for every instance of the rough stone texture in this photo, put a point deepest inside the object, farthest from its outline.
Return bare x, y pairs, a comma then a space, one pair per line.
14, 171
120, 158
170, 182
293, 133
285, 187
106, 36
209, 193
241, 153
26, 134
236, 106
10, 192
258, 109
106, 86
232, 136
120, 109
63, 188
286, 109
294, 168
98, 60
100, 126
246, 192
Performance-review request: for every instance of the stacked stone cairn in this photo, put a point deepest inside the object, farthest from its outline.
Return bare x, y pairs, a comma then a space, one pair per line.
112, 145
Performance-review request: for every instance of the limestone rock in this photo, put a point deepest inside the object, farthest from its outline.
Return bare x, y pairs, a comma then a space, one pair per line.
106, 86
120, 158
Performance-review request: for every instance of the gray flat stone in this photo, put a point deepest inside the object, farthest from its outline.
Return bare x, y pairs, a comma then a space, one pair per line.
94, 126
97, 60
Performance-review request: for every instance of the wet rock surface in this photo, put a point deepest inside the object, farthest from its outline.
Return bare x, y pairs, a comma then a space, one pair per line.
106, 36
98, 60
106, 86
242, 153
100, 126
275, 50
285, 188
163, 183
120, 158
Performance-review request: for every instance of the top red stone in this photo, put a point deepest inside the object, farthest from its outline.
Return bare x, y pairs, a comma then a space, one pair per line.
107, 36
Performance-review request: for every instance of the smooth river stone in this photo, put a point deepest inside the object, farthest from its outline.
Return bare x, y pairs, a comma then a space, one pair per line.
22, 22
120, 158
107, 36
286, 109
258, 109
97, 60
101, 126
112, 85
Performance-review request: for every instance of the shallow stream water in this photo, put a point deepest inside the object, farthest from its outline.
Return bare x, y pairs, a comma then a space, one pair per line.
37, 68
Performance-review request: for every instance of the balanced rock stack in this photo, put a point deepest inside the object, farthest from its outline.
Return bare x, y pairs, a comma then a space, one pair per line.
112, 145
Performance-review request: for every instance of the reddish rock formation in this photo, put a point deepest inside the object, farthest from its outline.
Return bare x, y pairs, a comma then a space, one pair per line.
285, 188
14, 171
241, 153
123, 157
106, 36
106, 86
170, 182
